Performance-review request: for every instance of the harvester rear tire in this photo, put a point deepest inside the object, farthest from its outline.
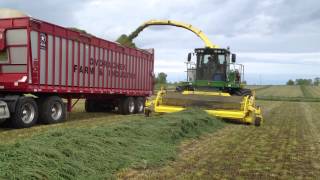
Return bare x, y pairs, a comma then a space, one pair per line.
139, 105
127, 105
26, 113
52, 110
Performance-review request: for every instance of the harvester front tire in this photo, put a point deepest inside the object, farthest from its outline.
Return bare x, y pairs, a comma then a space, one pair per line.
26, 113
52, 110
127, 105
243, 92
139, 105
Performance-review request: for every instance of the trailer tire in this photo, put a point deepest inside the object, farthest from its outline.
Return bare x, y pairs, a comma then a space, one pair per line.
52, 110
127, 105
139, 105
26, 113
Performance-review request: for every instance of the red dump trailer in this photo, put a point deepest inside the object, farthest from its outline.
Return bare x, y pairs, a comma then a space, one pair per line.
42, 63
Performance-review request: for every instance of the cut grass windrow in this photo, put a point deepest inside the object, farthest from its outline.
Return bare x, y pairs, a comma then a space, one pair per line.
99, 152
286, 146
289, 99
261, 88
305, 91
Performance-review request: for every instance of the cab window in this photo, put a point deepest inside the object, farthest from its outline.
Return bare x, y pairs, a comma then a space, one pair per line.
221, 59
206, 59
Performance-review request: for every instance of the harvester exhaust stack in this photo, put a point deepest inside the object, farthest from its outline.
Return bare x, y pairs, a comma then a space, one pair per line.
222, 105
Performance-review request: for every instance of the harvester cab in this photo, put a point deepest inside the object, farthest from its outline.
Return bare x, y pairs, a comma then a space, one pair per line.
214, 69
214, 82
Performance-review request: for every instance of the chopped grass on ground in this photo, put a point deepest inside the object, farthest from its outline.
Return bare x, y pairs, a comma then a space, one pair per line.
308, 94
99, 152
289, 99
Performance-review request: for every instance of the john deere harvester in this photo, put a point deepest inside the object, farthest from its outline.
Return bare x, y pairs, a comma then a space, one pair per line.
214, 82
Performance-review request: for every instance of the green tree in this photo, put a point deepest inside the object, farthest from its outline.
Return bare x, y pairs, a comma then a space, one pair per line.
304, 82
290, 82
161, 78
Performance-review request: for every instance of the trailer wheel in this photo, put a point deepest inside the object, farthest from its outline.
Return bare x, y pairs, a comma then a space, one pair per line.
26, 113
52, 110
127, 105
139, 105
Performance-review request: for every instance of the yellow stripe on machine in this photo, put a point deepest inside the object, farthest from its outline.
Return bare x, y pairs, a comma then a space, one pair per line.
206, 93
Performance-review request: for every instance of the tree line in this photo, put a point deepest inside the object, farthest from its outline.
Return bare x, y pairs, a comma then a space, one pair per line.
305, 82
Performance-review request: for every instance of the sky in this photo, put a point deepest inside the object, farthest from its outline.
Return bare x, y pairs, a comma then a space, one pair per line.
276, 40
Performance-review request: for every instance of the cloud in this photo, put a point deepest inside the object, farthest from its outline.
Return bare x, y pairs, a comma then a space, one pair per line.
312, 59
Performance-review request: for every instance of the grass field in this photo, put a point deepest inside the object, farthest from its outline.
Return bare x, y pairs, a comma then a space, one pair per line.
287, 146
106, 145
281, 91
287, 93
99, 150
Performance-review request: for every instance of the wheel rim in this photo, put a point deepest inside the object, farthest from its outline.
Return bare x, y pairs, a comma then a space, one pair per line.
56, 111
28, 113
131, 106
140, 106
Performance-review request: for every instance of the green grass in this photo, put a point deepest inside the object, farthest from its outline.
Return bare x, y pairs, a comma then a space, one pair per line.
289, 99
305, 96
257, 87
286, 146
99, 152
305, 91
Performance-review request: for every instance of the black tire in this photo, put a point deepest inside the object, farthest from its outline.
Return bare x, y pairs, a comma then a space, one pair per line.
26, 113
179, 89
52, 110
185, 88
246, 92
139, 105
127, 105
257, 122
243, 92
